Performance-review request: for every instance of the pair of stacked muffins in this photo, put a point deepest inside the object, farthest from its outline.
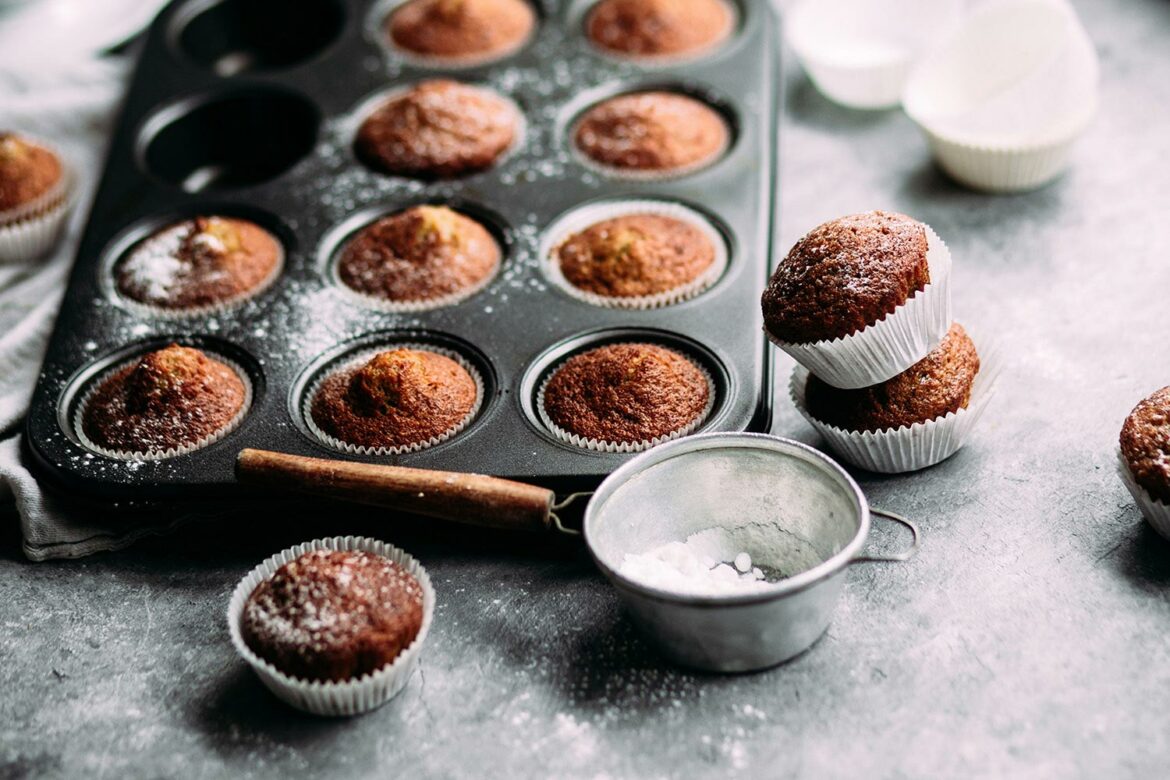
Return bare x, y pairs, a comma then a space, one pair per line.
35, 192
863, 304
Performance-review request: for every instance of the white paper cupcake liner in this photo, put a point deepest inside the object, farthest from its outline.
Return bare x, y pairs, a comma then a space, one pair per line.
351, 697
361, 357
600, 445
173, 452
29, 231
586, 216
1156, 512
892, 344
911, 447
667, 60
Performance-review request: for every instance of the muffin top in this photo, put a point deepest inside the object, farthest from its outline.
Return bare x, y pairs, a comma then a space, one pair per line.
199, 262
438, 128
419, 254
466, 30
397, 398
938, 384
333, 615
27, 171
1145, 444
652, 131
635, 255
626, 393
658, 28
173, 397
845, 275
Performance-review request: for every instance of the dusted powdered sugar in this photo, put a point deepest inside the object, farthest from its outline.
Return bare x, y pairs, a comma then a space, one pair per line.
154, 267
707, 563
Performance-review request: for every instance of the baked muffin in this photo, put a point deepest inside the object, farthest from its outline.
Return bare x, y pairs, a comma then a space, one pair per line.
168, 399
626, 393
438, 128
424, 253
1145, 444
198, 263
635, 255
333, 615
933, 387
845, 275
396, 399
461, 31
652, 132
28, 171
659, 28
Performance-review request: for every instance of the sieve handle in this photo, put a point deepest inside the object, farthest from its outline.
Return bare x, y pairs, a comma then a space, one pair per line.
898, 557
473, 499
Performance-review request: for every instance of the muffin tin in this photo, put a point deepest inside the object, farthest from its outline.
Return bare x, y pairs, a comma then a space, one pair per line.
251, 113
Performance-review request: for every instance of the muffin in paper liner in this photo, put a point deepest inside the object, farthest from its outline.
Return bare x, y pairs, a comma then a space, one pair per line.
599, 445
1156, 512
734, 19
173, 452
379, 27
188, 312
891, 345
30, 230
350, 697
910, 447
362, 357
583, 217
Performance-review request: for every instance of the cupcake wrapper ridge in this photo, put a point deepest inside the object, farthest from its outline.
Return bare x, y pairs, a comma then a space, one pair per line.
910, 447
350, 697
891, 345
1156, 513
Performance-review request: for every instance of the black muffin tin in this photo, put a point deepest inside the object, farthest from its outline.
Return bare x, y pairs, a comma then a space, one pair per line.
248, 109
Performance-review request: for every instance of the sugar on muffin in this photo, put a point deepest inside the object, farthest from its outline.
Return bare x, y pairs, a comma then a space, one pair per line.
844, 276
199, 262
28, 172
461, 31
171, 398
659, 28
1145, 444
634, 255
398, 398
437, 128
333, 615
653, 132
626, 393
425, 253
933, 387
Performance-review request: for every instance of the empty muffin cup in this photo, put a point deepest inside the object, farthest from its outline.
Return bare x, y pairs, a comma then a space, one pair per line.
1155, 511
349, 697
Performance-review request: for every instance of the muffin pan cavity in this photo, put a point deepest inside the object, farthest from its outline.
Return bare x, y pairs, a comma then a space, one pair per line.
228, 140
231, 37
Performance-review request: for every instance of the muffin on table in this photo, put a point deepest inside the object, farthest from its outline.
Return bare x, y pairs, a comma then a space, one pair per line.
400, 399
1145, 445
28, 172
423, 256
652, 133
172, 399
626, 394
437, 128
461, 31
659, 28
199, 263
333, 615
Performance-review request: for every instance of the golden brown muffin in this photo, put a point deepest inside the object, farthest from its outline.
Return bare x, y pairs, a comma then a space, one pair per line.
171, 398
420, 254
659, 28
333, 615
652, 132
635, 255
461, 30
627, 393
200, 262
938, 384
845, 275
1145, 444
27, 171
438, 128
398, 398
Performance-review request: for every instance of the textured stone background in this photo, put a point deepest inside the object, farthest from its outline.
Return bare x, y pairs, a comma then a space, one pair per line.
1029, 637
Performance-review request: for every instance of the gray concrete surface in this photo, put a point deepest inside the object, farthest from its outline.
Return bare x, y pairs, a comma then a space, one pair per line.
1031, 636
